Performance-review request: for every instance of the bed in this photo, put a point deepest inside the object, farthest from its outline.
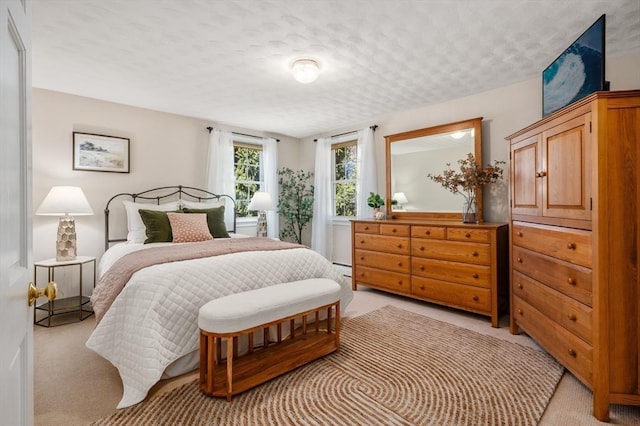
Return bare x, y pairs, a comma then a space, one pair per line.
148, 328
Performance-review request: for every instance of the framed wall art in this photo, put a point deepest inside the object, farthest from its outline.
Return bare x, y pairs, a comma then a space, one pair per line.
100, 153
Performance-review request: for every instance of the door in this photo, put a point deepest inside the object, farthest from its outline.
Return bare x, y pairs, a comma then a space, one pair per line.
16, 328
526, 193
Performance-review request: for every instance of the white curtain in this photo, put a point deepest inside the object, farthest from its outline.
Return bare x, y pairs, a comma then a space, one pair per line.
220, 176
270, 160
367, 172
321, 234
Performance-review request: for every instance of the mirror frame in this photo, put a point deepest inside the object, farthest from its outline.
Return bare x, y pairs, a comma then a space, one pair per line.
476, 124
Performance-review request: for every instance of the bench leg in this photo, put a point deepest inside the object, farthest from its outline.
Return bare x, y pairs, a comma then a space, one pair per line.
229, 367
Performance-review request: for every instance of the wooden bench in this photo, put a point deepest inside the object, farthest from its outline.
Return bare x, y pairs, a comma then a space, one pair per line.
262, 313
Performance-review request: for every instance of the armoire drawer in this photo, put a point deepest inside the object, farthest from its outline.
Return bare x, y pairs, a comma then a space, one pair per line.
463, 273
572, 245
456, 251
389, 262
567, 348
396, 245
392, 281
435, 232
466, 234
451, 294
571, 314
366, 228
573, 280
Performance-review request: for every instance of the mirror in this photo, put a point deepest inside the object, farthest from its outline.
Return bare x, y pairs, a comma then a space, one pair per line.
412, 155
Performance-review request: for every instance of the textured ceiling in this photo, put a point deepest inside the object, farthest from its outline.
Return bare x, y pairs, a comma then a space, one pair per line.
227, 61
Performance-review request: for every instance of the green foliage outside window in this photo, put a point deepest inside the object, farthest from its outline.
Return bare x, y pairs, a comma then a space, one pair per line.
247, 177
344, 184
295, 203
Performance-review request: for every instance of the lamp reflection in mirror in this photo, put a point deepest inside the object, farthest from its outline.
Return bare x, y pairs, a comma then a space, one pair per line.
401, 200
261, 201
305, 70
66, 202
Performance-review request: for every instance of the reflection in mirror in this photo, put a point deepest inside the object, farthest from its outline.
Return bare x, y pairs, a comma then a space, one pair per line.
413, 155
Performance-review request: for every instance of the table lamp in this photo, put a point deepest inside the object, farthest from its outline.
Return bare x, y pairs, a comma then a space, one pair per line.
401, 200
65, 201
261, 201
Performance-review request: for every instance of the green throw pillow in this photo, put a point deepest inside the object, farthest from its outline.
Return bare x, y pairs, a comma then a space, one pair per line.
158, 227
215, 220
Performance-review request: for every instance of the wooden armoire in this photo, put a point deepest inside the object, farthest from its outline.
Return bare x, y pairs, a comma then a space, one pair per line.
574, 241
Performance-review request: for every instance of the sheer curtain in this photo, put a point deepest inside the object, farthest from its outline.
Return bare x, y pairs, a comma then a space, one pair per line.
321, 231
367, 171
270, 160
220, 176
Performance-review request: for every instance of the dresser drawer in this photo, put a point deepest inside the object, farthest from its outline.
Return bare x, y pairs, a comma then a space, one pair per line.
573, 280
568, 349
395, 230
366, 228
465, 234
396, 245
436, 232
571, 314
455, 251
458, 295
389, 262
572, 245
464, 273
396, 282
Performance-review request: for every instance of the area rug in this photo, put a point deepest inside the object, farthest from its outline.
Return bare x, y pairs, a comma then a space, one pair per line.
394, 367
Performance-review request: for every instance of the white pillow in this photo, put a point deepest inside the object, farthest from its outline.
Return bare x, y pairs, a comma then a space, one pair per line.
205, 205
137, 231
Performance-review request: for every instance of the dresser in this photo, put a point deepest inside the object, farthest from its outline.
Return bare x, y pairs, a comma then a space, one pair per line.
574, 200
446, 262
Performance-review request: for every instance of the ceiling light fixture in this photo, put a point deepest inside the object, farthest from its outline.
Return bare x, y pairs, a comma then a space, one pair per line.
305, 70
458, 135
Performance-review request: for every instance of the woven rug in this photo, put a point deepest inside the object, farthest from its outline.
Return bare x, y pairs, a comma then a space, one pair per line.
393, 368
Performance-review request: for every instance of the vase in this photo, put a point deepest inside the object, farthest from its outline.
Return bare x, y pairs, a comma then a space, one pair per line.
470, 212
378, 214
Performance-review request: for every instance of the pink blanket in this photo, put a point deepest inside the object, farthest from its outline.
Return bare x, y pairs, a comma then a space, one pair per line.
114, 280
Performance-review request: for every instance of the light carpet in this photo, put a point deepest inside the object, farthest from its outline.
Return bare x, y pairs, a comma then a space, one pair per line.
394, 367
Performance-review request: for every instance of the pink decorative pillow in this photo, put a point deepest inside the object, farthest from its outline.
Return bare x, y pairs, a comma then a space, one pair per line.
189, 227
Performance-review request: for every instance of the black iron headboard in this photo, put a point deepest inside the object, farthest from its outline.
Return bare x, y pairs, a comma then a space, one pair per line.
166, 193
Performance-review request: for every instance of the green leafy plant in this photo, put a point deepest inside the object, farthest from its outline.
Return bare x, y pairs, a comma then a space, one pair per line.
375, 200
471, 177
295, 202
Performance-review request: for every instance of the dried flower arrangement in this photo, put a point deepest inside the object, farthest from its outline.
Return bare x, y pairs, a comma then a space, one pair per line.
471, 177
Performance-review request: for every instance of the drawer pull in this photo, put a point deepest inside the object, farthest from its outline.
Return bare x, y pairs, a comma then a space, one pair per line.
361, 241
422, 267
571, 281
399, 246
519, 233
520, 312
572, 317
571, 246
362, 274
422, 287
393, 230
475, 298
474, 275
541, 174
421, 248
572, 353
474, 253
366, 228
519, 260
399, 263
468, 235
427, 232
520, 286
399, 282
361, 257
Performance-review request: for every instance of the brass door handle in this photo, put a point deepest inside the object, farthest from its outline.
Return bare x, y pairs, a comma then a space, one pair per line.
51, 291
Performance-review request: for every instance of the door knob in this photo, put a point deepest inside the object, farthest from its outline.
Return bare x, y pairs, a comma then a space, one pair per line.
51, 291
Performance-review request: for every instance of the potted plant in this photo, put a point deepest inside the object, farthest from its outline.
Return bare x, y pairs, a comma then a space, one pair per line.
295, 203
375, 201
471, 177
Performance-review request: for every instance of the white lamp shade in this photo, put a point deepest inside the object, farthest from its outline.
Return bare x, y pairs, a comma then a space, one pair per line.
400, 198
261, 201
305, 70
65, 200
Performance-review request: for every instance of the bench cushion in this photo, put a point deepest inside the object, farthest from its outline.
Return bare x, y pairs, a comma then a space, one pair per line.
242, 311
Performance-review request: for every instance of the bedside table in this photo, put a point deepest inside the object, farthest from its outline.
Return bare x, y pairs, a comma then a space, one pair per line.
69, 305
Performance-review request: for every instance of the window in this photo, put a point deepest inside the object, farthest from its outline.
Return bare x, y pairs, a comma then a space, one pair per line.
345, 172
247, 166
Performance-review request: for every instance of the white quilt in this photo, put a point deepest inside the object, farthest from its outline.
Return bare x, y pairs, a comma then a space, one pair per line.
154, 320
